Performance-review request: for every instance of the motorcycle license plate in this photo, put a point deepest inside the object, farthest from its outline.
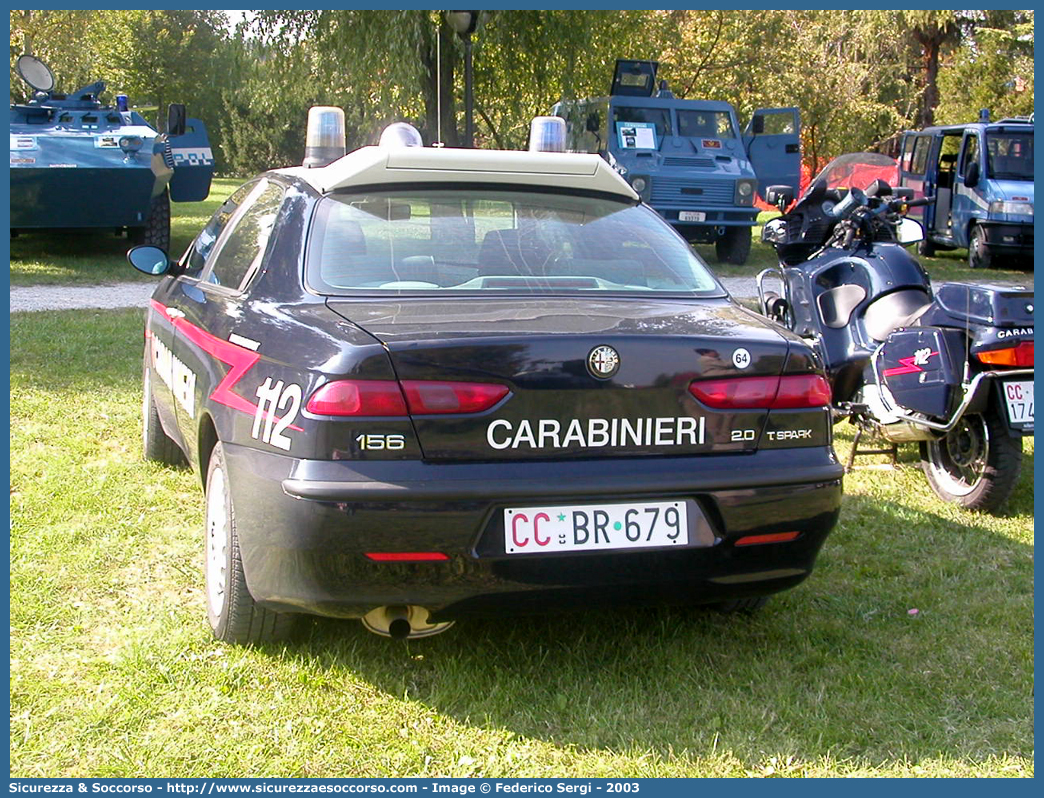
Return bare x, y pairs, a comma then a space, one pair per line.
1019, 398
595, 527
692, 216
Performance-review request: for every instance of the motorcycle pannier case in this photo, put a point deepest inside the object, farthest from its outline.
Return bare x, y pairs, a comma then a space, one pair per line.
923, 367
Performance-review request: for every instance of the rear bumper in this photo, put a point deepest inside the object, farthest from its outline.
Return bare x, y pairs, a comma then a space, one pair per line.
305, 528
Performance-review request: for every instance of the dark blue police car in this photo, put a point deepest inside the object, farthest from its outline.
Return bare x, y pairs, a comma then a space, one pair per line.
420, 384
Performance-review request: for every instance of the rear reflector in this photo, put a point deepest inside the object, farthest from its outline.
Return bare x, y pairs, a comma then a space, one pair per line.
406, 556
774, 537
1019, 355
793, 391
358, 398
424, 397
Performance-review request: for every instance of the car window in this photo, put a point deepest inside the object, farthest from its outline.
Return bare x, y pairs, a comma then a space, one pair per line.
243, 249
202, 246
1009, 156
520, 241
659, 118
920, 155
713, 124
971, 153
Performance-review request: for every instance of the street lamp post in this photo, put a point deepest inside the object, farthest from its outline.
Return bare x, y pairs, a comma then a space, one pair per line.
464, 23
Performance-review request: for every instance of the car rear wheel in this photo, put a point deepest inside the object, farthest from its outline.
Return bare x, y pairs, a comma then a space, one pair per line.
156, 231
233, 614
733, 246
156, 444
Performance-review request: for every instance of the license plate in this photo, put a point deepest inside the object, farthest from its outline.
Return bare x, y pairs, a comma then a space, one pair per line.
691, 216
1019, 398
595, 527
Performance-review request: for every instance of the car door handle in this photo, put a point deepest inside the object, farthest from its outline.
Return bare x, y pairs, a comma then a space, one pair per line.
174, 313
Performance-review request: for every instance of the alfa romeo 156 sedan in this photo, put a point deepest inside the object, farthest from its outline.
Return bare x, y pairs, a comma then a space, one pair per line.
420, 384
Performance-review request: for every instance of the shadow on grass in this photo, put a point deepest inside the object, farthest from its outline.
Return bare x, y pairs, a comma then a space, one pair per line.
837, 668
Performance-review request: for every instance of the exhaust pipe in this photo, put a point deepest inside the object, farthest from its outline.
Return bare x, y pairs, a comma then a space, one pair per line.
398, 620
402, 622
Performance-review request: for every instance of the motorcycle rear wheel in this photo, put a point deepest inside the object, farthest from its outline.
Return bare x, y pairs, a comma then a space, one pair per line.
976, 465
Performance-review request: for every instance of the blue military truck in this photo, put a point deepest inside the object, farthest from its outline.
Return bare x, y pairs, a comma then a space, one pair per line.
688, 158
981, 175
79, 164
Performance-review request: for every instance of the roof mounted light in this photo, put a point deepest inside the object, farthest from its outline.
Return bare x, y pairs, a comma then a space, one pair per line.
400, 134
547, 134
324, 138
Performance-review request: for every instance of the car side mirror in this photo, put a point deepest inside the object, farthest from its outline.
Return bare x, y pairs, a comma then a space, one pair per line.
177, 118
910, 231
780, 196
593, 122
149, 260
971, 175
757, 125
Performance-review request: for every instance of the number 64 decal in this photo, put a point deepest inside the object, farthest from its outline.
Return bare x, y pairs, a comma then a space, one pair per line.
272, 397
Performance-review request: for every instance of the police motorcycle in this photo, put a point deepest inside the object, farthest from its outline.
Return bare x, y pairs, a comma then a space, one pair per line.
949, 369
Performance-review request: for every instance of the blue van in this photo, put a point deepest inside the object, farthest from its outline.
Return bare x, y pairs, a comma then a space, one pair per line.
687, 158
981, 175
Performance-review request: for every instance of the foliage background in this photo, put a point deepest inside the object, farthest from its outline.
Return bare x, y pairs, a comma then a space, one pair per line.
859, 77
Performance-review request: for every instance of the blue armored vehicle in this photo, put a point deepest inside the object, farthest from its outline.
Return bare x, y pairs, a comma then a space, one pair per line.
688, 158
76, 163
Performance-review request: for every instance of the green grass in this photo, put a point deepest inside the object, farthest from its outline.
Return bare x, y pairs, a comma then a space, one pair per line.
113, 672
66, 258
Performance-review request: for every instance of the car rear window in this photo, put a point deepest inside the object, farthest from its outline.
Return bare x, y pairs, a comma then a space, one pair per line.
506, 241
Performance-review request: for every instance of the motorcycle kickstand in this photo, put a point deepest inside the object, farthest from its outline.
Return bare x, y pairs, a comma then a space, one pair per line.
892, 451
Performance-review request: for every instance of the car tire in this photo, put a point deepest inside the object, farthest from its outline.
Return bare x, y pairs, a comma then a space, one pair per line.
976, 465
745, 605
926, 248
156, 231
233, 614
156, 445
733, 246
979, 256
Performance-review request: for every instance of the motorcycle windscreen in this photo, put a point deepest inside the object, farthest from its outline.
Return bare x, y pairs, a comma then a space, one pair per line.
773, 143
193, 163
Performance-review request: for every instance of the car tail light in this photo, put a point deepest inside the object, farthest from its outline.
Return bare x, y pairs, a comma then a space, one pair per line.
793, 391
1018, 355
429, 397
358, 398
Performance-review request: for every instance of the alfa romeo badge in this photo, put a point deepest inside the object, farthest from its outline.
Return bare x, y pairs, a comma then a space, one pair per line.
603, 361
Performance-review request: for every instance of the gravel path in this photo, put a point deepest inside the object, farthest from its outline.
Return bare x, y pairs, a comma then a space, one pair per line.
69, 297
136, 295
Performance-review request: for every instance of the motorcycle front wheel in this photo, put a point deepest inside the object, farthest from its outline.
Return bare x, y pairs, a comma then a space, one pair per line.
976, 465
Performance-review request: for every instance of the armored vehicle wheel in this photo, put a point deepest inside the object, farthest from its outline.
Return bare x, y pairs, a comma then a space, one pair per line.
156, 231
733, 246
233, 614
976, 465
979, 256
156, 444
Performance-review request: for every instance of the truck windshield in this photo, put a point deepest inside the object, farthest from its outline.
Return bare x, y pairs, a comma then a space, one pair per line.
1009, 155
705, 125
475, 240
661, 117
